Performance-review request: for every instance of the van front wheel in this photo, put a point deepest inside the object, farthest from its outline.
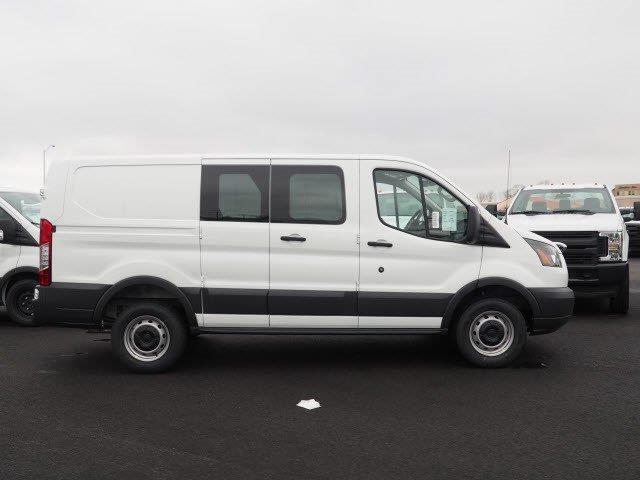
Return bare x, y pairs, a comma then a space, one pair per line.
491, 333
19, 302
148, 338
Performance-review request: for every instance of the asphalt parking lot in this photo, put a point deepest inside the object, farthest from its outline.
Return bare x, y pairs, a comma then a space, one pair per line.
392, 407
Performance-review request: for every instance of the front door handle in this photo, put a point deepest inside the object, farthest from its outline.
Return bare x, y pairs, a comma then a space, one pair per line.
293, 238
380, 243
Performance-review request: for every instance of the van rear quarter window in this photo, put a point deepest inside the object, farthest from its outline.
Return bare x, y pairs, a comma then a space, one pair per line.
153, 192
237, 193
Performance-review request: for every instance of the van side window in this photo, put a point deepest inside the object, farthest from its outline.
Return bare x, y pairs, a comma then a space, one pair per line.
307, 194
235, 193
405, 200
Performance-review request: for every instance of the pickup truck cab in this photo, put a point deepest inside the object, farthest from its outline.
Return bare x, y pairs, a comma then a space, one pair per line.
587, 220
152, 248
19, 220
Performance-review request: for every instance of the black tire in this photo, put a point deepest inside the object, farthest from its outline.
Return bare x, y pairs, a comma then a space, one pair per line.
492, 321
19, 302
620, 303
138, 332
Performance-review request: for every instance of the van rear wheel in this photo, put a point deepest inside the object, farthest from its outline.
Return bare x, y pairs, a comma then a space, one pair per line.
19, 302
491, 333
148, 338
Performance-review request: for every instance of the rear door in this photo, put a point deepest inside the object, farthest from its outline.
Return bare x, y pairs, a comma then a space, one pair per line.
313, 243
234, 230
413, 254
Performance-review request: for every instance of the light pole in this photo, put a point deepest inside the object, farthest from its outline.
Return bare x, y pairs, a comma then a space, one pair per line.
44, 163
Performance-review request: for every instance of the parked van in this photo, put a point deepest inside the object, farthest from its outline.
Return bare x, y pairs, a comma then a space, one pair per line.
19, 220
587, 220
154, 248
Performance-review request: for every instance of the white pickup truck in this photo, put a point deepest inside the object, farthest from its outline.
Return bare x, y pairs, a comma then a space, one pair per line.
587, 220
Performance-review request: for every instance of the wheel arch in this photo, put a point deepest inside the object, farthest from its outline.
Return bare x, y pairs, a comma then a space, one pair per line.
141, 281
13, 276
488, 287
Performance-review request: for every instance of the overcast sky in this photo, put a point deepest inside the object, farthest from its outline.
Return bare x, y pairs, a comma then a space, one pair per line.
453, 84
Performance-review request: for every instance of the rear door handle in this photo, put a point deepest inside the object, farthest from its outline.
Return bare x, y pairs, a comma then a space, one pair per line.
380, 243
293, 238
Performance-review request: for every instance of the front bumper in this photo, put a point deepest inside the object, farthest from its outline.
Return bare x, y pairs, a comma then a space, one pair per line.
555, 309
602, 280
67, 304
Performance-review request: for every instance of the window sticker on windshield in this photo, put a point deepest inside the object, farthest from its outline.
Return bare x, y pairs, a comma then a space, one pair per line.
435, 220
449, 219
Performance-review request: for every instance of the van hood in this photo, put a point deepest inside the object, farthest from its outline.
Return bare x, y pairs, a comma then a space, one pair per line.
571, 221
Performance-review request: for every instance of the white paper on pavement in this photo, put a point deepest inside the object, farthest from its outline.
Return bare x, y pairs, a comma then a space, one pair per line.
309, 404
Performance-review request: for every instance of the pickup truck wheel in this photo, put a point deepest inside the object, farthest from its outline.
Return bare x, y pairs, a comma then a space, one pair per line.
620, 303
491, 333
149, 338
19, 302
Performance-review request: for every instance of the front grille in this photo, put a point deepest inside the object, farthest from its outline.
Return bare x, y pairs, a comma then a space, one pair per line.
583, 248
634, 239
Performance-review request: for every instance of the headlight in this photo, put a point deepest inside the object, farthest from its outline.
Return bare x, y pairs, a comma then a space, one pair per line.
549, 255
614, 246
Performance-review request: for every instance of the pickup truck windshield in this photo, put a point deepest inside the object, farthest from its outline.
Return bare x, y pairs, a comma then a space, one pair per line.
27, 204
585, 201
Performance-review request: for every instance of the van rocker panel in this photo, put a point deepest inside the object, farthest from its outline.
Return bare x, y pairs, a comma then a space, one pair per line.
80, 305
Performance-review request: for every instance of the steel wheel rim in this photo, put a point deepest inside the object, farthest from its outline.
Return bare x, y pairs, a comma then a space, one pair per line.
146, 338
25, 303
491, 333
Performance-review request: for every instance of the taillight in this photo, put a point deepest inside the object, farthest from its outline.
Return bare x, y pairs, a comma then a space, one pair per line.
46, 247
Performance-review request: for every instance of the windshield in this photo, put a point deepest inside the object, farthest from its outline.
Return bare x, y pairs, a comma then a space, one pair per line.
27, 204
570, 200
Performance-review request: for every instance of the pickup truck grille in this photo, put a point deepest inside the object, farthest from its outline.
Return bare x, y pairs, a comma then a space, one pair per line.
634, 239
583, 248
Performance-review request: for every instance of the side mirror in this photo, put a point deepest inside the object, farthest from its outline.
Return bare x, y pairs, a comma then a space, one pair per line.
492, 208
473, 225
636, 211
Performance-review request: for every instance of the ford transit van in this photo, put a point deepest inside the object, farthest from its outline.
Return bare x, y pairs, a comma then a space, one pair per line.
19, 220
156, 248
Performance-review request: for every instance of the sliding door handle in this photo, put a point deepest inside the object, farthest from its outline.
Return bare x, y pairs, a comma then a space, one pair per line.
380, 243
293, 238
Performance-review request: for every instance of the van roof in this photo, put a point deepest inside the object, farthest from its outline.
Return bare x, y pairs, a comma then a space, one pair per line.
191, 159
196, 157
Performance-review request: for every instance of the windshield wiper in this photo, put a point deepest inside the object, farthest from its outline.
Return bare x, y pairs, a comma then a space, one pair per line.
531, 212
582, 212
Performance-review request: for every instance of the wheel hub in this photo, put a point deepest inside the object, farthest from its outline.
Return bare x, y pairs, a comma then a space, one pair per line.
25, 303
491, 333
146, 338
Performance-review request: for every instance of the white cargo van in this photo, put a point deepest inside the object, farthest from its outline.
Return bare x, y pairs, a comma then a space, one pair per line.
155, 247
587, 220
19, 218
